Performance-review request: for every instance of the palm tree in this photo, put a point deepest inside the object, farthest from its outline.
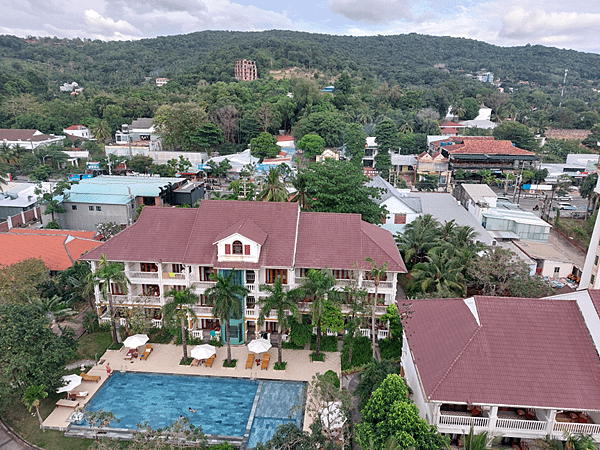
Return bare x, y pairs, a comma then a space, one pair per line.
474, 441
226, 296
572, 442
441, 273
101, 131
107, 274
32, 397
304, 194
419, 236
285, 306
376, 274
273, 189
317, 285
180, 308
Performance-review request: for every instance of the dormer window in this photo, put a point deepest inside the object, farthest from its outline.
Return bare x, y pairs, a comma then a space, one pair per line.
238, 248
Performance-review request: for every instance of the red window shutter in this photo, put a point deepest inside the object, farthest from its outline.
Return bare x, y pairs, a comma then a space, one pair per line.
246, 249
228, 249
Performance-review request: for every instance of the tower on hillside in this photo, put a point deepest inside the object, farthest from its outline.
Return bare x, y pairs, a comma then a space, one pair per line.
245, 70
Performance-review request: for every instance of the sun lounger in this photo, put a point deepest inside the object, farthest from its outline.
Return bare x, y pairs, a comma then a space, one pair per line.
195, 362
146, 352
132, 353
67, 403
265, 362
210, 361
87, 377
77, 394
250, 361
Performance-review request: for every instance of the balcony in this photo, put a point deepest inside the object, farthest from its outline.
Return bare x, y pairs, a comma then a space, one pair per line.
203, 284
521, 425
143, 275
251, 287
157, 323
203, 310
251, 313
382, 284
463, 421
576, 428
173, 276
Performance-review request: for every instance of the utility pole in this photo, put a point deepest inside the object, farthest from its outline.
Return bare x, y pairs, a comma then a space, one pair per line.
562, 91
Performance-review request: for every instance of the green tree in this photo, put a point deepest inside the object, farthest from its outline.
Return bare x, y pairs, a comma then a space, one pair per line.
389, 412
517, 133
206, 136
419, 236
312, 145
101, 131
386, 137
106, 275
264, 146
428, 182
470, 108
180, 308
371, 377
32, 397
329, 124
31, 354
181, 125
20, 281
285, 306
339, 187
355, 140
441, 274
140, 163
227, 298
376, 274
303, 194
317, 286
273, 189
587, 191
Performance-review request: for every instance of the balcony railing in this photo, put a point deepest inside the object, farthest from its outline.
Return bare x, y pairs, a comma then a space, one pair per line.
251, 287
516, 424
173, 276
203, 310
382, 284
203, 284
144, 275
157, 323
463, 421
577, 428
251, 313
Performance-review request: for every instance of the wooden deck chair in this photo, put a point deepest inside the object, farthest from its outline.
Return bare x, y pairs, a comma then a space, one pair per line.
265, 362
87, 377
250, 361
195, 362
67, 403
210, 361
147, 352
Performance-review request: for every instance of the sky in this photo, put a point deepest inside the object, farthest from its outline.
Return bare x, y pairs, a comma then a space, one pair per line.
572, 24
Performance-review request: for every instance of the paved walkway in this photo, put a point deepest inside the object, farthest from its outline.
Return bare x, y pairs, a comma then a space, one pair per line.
8, 441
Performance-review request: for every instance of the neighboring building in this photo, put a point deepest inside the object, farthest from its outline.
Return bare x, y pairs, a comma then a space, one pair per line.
552, 262
510, 222
113, 199
245, 70
175, 248
69, 87
238, 162
511, 367
28, 139
590, 277
161, 81
59, 249
434, 164
476, 198
486, 77
19, 197
483, 152
404, 164
328, 89
328, 153
286, 141
140, 130
158, 156
78, 131
401, 209
368, 159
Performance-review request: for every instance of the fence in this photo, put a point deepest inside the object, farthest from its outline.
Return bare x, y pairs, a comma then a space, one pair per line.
20, 220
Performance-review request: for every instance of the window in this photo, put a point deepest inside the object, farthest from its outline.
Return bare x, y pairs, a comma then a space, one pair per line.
116, 290
74, 207
91, 208
342, 274
237, 248
250, 302
273, 274
177, 268
150, 290
304, 272
250, 276
399, 219
206, 271
178, 288
596, 260
592, 280
246, 249
556, 271
98, 208
148, 267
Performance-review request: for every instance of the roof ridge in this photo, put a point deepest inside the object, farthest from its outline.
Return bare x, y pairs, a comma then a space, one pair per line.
454, 362
185, 252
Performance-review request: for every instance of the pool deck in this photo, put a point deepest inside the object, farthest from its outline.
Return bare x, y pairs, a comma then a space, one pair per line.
165, 359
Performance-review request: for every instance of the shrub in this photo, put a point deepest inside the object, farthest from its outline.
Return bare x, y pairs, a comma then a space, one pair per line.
185, 363
104, 327
362, 351
216, 343
160, 335
300, 333
332, 378
232, 364
116, 346
390, 348
278, 366
291, 346
314, 357
328, 343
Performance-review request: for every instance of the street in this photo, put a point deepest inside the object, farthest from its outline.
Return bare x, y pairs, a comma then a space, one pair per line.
529, 201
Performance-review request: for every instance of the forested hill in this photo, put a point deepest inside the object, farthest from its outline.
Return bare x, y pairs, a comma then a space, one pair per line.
209, 55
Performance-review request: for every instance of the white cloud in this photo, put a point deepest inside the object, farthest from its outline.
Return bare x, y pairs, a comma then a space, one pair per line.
98, 22
375, 11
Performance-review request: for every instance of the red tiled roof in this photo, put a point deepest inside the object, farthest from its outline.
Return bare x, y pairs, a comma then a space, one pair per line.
285, 137
526, 352
449, 130
480, 145
449, 123
309, 239
79, 234
58, 251
595, 297
75, 127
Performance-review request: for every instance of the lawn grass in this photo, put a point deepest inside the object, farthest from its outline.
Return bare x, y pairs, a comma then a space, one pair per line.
93, 345
28, 427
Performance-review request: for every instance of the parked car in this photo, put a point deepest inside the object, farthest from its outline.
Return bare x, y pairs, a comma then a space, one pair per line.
565, 198
567, 206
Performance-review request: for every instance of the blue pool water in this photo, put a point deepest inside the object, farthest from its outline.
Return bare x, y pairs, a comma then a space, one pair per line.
223, 405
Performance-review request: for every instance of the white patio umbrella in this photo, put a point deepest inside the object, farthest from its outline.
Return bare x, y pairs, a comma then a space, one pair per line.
259, 346
135, 341
71, 382
203, 351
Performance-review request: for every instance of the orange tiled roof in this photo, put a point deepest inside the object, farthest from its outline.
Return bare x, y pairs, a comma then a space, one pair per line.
464, 145
57, 251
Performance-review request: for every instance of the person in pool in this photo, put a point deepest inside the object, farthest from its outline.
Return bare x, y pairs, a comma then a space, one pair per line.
191, 410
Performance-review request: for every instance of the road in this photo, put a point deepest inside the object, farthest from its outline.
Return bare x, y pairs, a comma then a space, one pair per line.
528, 202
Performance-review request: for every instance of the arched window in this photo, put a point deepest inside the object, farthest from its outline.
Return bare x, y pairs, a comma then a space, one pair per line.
238, 248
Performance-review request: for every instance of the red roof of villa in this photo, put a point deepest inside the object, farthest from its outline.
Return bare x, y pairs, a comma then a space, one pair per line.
524, 352
288, 237
479, 145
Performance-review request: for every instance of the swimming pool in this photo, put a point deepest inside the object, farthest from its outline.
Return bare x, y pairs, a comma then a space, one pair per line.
223, 405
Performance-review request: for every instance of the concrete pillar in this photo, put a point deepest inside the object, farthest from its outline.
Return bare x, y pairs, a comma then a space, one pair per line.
493, 419
551, 419
9, 221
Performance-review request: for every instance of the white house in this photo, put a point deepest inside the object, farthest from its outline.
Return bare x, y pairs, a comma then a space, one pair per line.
78, 131
401, 209
177, 248
514, 367
29, 139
